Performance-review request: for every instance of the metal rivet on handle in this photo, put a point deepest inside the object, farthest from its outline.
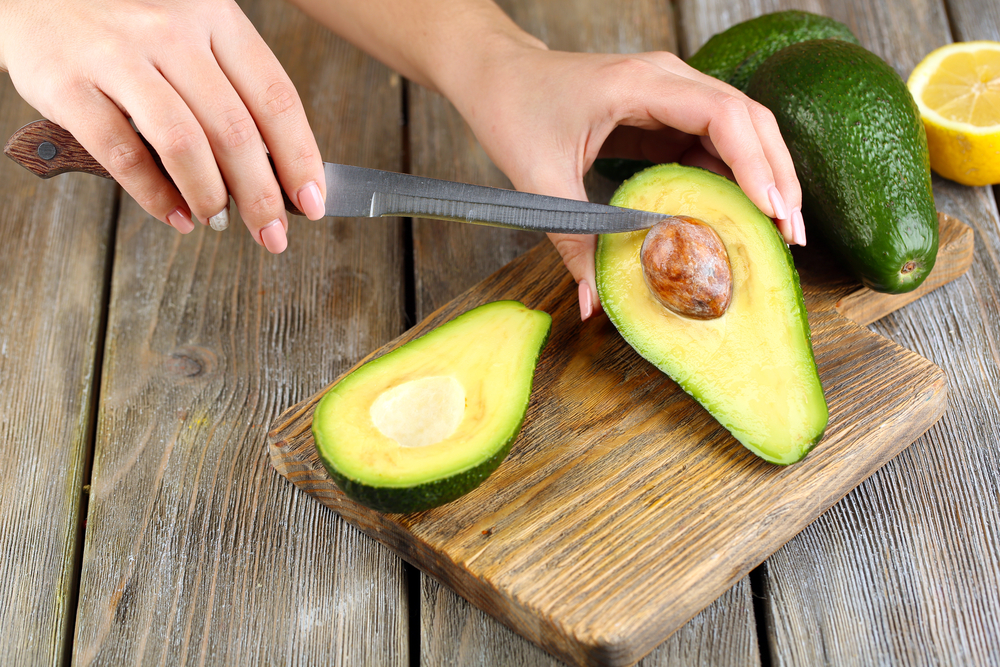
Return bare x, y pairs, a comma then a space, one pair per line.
46, 150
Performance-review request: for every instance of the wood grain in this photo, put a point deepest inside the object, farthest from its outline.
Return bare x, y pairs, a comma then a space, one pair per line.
905, 569
197, 553
862, 305
27, 145
623, 509
54, 264
449, 259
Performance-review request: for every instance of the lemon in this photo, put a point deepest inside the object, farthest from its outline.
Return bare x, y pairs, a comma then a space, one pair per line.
957, 89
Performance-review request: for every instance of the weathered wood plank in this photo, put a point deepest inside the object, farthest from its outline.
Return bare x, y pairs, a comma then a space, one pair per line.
905, 569
449, 259
54, 248
196, 551
621, 512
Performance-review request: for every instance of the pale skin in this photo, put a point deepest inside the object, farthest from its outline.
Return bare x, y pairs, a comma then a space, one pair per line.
203, 88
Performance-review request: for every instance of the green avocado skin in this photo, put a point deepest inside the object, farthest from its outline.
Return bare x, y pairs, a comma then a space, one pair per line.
735, 54
860, 152
422, 496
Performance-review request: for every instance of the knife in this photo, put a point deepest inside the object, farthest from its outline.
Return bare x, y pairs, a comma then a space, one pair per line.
46, 150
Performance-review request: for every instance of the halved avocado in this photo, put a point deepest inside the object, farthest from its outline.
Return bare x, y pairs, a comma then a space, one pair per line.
752, 368
427, 422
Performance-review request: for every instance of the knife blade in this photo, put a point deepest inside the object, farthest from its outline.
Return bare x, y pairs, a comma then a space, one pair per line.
45, 149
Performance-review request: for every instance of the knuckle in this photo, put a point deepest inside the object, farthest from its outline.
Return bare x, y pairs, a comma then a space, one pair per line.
209, 202
303, 157
569, 247
760, 113
125, 158
236, 129
263, 207
731, 106
631, 67
179, 139
279, 99
671, 59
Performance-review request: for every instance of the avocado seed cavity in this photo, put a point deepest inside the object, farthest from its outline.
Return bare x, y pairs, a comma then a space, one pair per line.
686, 267
420, 412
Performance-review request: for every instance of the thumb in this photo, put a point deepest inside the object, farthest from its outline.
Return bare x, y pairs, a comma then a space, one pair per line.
577, 250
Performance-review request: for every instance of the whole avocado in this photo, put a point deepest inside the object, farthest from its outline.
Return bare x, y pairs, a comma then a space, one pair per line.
735, 54
860, 152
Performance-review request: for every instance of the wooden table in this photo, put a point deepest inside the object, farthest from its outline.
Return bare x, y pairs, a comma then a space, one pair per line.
140, 520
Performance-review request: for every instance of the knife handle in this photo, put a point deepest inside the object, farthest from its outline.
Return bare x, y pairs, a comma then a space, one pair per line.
47, 150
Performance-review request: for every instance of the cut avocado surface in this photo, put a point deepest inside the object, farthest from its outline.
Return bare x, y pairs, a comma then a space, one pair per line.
753, 367
427, 422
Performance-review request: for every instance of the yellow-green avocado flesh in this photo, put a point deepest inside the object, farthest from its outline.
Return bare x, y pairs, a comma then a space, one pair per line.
753, 368
427, 422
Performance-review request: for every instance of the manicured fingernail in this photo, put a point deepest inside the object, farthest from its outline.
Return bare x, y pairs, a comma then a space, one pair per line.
220, 220
786, 231
180, 220
311, 201
777, 203
273, 237
799, 227
586, 300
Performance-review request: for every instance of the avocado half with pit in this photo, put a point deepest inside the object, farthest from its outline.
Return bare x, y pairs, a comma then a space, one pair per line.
430, 420
752, 368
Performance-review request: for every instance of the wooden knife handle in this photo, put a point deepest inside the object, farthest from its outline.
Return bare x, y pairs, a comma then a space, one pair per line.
47, 150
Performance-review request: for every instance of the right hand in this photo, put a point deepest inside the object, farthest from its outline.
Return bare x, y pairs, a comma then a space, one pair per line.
544, 116
200, 85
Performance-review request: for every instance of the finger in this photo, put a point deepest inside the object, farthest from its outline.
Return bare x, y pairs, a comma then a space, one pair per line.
786, 195
659, 146
783, 199
99, 125
699, 157
577, 250
170, 127
235, 143
277, 110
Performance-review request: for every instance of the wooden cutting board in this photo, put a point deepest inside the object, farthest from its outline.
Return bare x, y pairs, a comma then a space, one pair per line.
623, 508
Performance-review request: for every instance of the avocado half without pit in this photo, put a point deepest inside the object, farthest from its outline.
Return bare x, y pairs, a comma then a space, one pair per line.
430, 420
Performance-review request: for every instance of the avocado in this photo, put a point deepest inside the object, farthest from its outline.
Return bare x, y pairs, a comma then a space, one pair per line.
618, 169
860, 152
752, 368
430, 420
735, 54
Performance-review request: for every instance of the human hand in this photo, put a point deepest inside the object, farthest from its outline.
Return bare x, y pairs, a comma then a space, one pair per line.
200, 85
544, 117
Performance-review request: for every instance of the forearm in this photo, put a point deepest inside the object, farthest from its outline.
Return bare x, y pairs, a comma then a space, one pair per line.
440, 44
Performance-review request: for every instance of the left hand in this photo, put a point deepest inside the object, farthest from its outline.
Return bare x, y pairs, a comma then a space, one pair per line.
544, 117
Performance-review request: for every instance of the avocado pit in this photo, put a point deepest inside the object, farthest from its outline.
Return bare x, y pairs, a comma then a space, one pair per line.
686, 268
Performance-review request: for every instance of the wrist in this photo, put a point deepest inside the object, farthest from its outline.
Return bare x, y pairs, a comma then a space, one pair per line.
470, 73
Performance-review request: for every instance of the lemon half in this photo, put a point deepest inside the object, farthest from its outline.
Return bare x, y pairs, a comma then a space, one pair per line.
957, 89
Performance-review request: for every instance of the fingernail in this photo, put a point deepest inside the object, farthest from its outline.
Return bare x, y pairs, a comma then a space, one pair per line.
777, 203
799, 227
180, 220
220, 220
785, 229
311, 201
586, 300
273, 237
